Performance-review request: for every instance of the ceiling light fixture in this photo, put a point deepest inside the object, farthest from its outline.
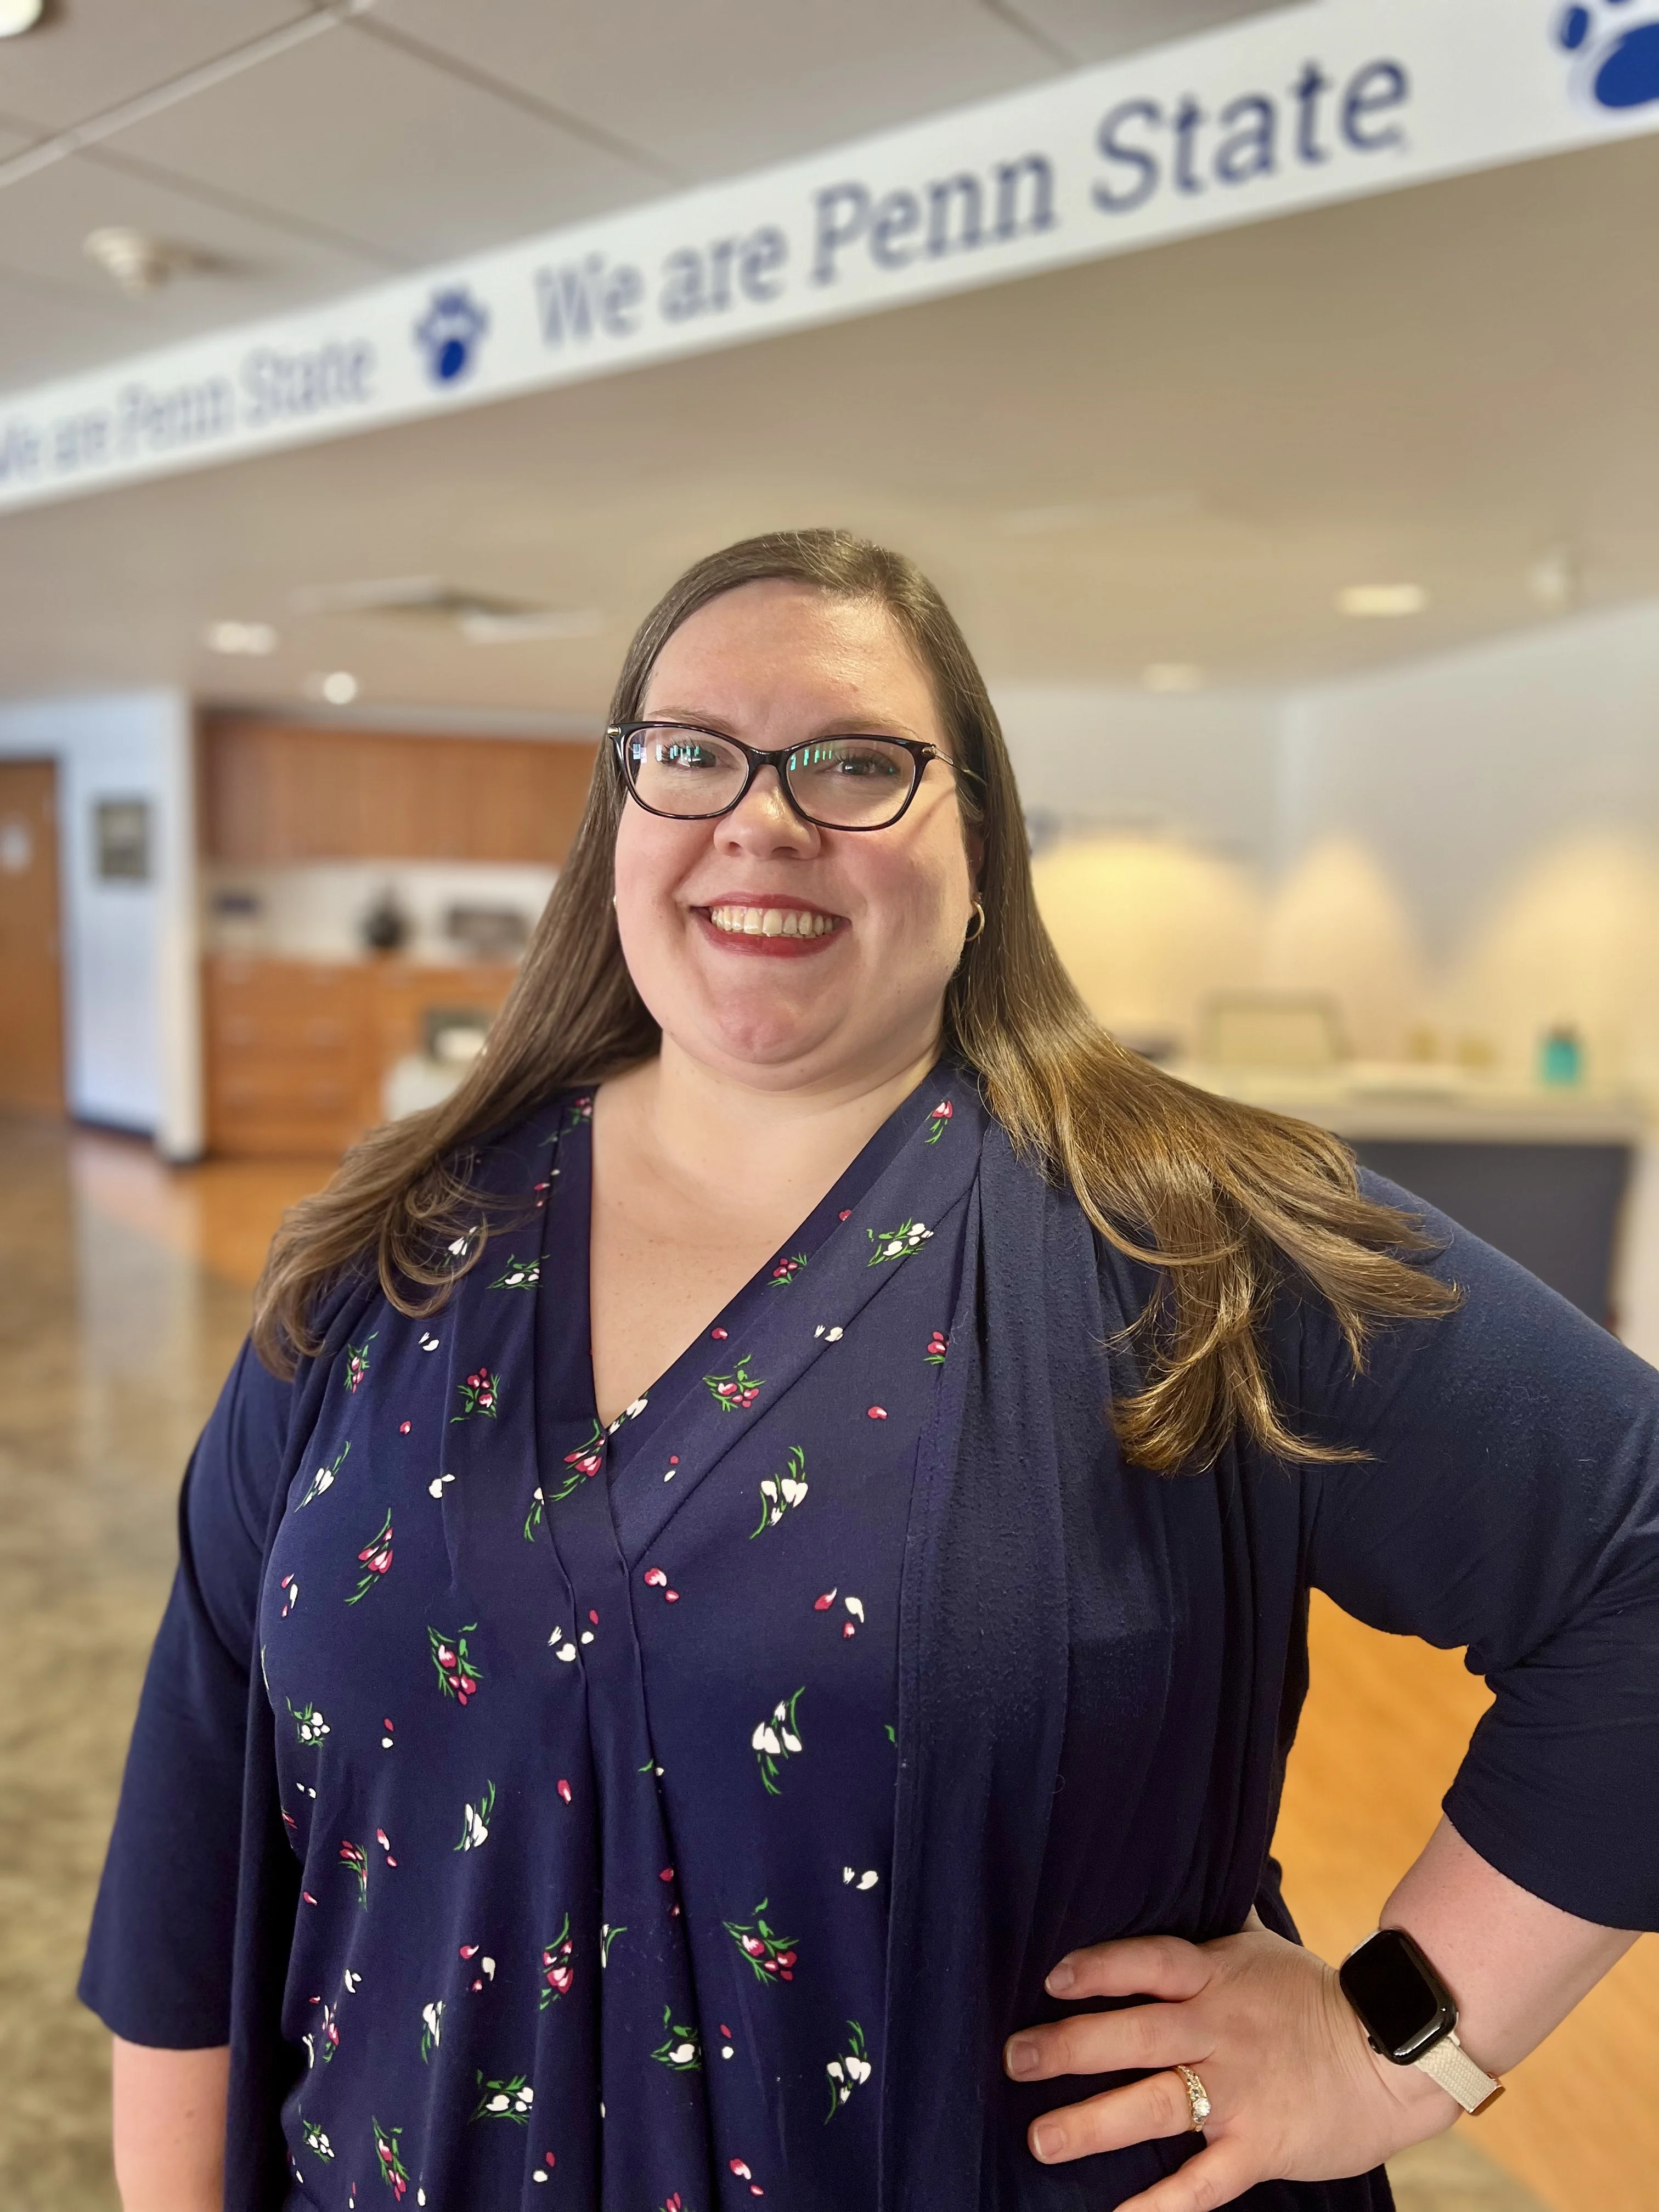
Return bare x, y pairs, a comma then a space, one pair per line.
251, 637
1172, 676
1556, 580
135, 260
17, 16
1381, 601
482, 618
338, 688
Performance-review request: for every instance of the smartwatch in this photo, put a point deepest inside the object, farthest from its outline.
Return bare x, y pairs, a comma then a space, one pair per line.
1410, 2016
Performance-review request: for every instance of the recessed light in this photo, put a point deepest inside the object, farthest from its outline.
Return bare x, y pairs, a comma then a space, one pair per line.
1381, 601
339, 687
1172, 676
133, 260
17, 16
253, 637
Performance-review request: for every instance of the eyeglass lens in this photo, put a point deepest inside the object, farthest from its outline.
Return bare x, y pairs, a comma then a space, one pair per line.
847, 783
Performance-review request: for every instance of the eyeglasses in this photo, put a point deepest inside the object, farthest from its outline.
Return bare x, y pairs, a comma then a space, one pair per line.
688, 775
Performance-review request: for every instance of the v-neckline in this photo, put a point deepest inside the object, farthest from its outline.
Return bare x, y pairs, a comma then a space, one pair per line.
632, 1427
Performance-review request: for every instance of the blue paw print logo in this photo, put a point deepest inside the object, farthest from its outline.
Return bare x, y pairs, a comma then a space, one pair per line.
1617, 46
448, 333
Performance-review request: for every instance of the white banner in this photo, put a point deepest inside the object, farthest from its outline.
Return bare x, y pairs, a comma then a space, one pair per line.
1328, 100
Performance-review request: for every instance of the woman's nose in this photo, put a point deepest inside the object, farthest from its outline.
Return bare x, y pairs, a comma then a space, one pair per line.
765, 821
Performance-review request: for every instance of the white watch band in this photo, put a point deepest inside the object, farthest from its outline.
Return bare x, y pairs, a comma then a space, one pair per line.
1451, 2066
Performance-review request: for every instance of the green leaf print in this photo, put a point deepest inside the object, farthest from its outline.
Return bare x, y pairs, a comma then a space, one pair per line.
324, 1478
374, 1558
897, 1243
532, 1520
357, 1363
309, 1726
480, 1393
558, 1971
738, 1391
458, 1677
355, 1856
475, 1818
681, 2048
519, 1275
393, 2171
776, 1740
316, 2142
505, 2101
782, 1493
850, 2071
608, 1935
584, 1463
771, 1958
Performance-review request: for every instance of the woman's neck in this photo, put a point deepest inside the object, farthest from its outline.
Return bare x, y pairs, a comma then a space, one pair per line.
707, 1131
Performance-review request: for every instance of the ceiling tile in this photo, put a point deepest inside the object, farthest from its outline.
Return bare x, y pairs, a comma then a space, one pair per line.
255, 268
714, 93
46, 333
352, 130
88, 55
1092, 33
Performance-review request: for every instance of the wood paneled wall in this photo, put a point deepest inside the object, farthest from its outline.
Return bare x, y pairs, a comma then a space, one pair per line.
275, 792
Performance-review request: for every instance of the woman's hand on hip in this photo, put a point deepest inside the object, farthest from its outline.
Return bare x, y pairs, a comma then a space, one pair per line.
1296, 2092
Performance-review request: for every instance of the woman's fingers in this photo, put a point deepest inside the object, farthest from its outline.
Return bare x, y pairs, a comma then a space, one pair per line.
1143, 2036
1216, 2176
1159, 2106
1136, 1966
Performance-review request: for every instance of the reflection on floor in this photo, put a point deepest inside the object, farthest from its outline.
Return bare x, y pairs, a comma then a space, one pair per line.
123, 1294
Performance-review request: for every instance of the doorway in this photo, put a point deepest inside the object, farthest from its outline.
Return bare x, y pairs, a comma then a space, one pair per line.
31, 994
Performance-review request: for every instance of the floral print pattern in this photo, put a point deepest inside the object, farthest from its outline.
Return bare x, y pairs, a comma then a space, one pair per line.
568, 1567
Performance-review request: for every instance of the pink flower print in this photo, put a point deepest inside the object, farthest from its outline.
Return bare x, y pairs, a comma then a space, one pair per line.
357, 1363
782, 1493
290, 1595
355, 1856
584, 1463
771, 1958
855, 1607
375, 1559
654, 1578
558, 1972
822, 1604
393, 2171
404, 1427
847, 1214
736, 1392
718, 1334
787, 1270
876, 1412
458, 1677
563, 1787
480, 1394
938, 1346
938, 1121
384, 1843
387, 1740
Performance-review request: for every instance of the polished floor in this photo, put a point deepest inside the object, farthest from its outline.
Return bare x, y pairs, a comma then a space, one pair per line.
123, 1294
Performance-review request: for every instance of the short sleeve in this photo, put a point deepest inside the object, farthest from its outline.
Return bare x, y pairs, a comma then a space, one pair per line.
1509, 1502
158, 1963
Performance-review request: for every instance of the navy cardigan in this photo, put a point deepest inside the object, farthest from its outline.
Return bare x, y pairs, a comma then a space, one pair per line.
1101, 1672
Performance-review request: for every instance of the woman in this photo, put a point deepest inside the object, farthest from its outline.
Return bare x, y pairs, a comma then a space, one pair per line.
758, 1591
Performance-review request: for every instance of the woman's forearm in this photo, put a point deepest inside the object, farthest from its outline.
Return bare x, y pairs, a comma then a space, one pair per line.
169, 2128
1516, 1966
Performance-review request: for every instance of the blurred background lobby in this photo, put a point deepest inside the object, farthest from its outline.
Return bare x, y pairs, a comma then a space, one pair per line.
1311, 550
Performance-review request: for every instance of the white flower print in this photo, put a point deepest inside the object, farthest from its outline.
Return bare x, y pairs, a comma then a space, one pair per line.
475, 1818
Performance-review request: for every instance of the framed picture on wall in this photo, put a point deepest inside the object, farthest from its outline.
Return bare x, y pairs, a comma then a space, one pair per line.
121, 840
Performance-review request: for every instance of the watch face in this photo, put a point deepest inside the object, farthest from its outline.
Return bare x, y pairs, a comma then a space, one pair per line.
1403, 2002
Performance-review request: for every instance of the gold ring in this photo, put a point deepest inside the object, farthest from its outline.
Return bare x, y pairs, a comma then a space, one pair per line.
1197, 2096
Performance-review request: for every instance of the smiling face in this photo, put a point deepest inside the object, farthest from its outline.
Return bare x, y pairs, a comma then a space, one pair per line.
768, 949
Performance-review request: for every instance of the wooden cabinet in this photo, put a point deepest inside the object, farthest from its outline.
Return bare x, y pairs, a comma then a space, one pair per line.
298, 1050
275, 792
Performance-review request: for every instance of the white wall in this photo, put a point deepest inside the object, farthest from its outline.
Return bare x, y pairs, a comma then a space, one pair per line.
1464, 850
130, 950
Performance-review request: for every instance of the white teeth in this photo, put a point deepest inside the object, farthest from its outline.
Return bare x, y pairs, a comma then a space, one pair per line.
770, 922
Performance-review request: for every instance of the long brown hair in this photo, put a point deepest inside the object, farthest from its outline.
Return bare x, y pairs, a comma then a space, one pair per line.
1226, 1201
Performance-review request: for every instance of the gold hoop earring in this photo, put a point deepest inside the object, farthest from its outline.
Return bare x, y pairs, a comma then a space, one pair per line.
979, 919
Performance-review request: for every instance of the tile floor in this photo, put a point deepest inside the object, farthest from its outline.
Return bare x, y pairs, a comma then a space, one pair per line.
113, 1337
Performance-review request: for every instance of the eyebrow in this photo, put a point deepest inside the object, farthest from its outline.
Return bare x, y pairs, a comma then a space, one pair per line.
842, 726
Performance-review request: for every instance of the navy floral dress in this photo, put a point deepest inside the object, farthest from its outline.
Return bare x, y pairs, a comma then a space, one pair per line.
586, 1739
